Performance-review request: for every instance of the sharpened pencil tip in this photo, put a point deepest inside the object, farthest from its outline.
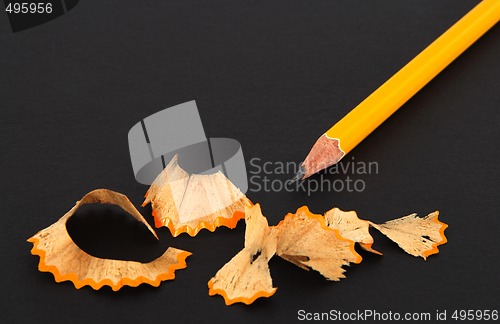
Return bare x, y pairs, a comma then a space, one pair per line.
298, 177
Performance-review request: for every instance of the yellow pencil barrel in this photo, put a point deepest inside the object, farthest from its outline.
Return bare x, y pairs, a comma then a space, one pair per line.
382, 103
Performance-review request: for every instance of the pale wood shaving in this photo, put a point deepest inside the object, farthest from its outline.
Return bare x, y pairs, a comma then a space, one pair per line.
297, 239
351, 227
417, 236
61, 256
188, 203
311, 241
246, 276
305, 240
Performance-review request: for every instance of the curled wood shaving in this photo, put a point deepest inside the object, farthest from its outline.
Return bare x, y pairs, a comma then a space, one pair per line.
66, 261
296, 239
188, 203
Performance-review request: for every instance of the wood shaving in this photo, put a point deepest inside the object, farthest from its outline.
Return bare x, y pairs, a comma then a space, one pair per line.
66, 261
419, 237
187, 203
311, 241
301, 234
351, 227
296, 238
246, 277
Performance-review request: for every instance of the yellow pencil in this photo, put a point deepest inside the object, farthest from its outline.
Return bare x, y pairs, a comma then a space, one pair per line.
369, 114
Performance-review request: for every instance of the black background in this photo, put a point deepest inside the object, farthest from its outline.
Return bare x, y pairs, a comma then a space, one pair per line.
273, 75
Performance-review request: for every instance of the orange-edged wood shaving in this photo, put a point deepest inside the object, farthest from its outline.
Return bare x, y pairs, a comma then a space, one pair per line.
302, 239
419, 237
312, 241
306, 241
66, 261
351, 227
187, 203
246, 276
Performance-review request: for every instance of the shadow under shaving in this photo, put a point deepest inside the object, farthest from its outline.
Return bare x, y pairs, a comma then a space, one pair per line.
106, 231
